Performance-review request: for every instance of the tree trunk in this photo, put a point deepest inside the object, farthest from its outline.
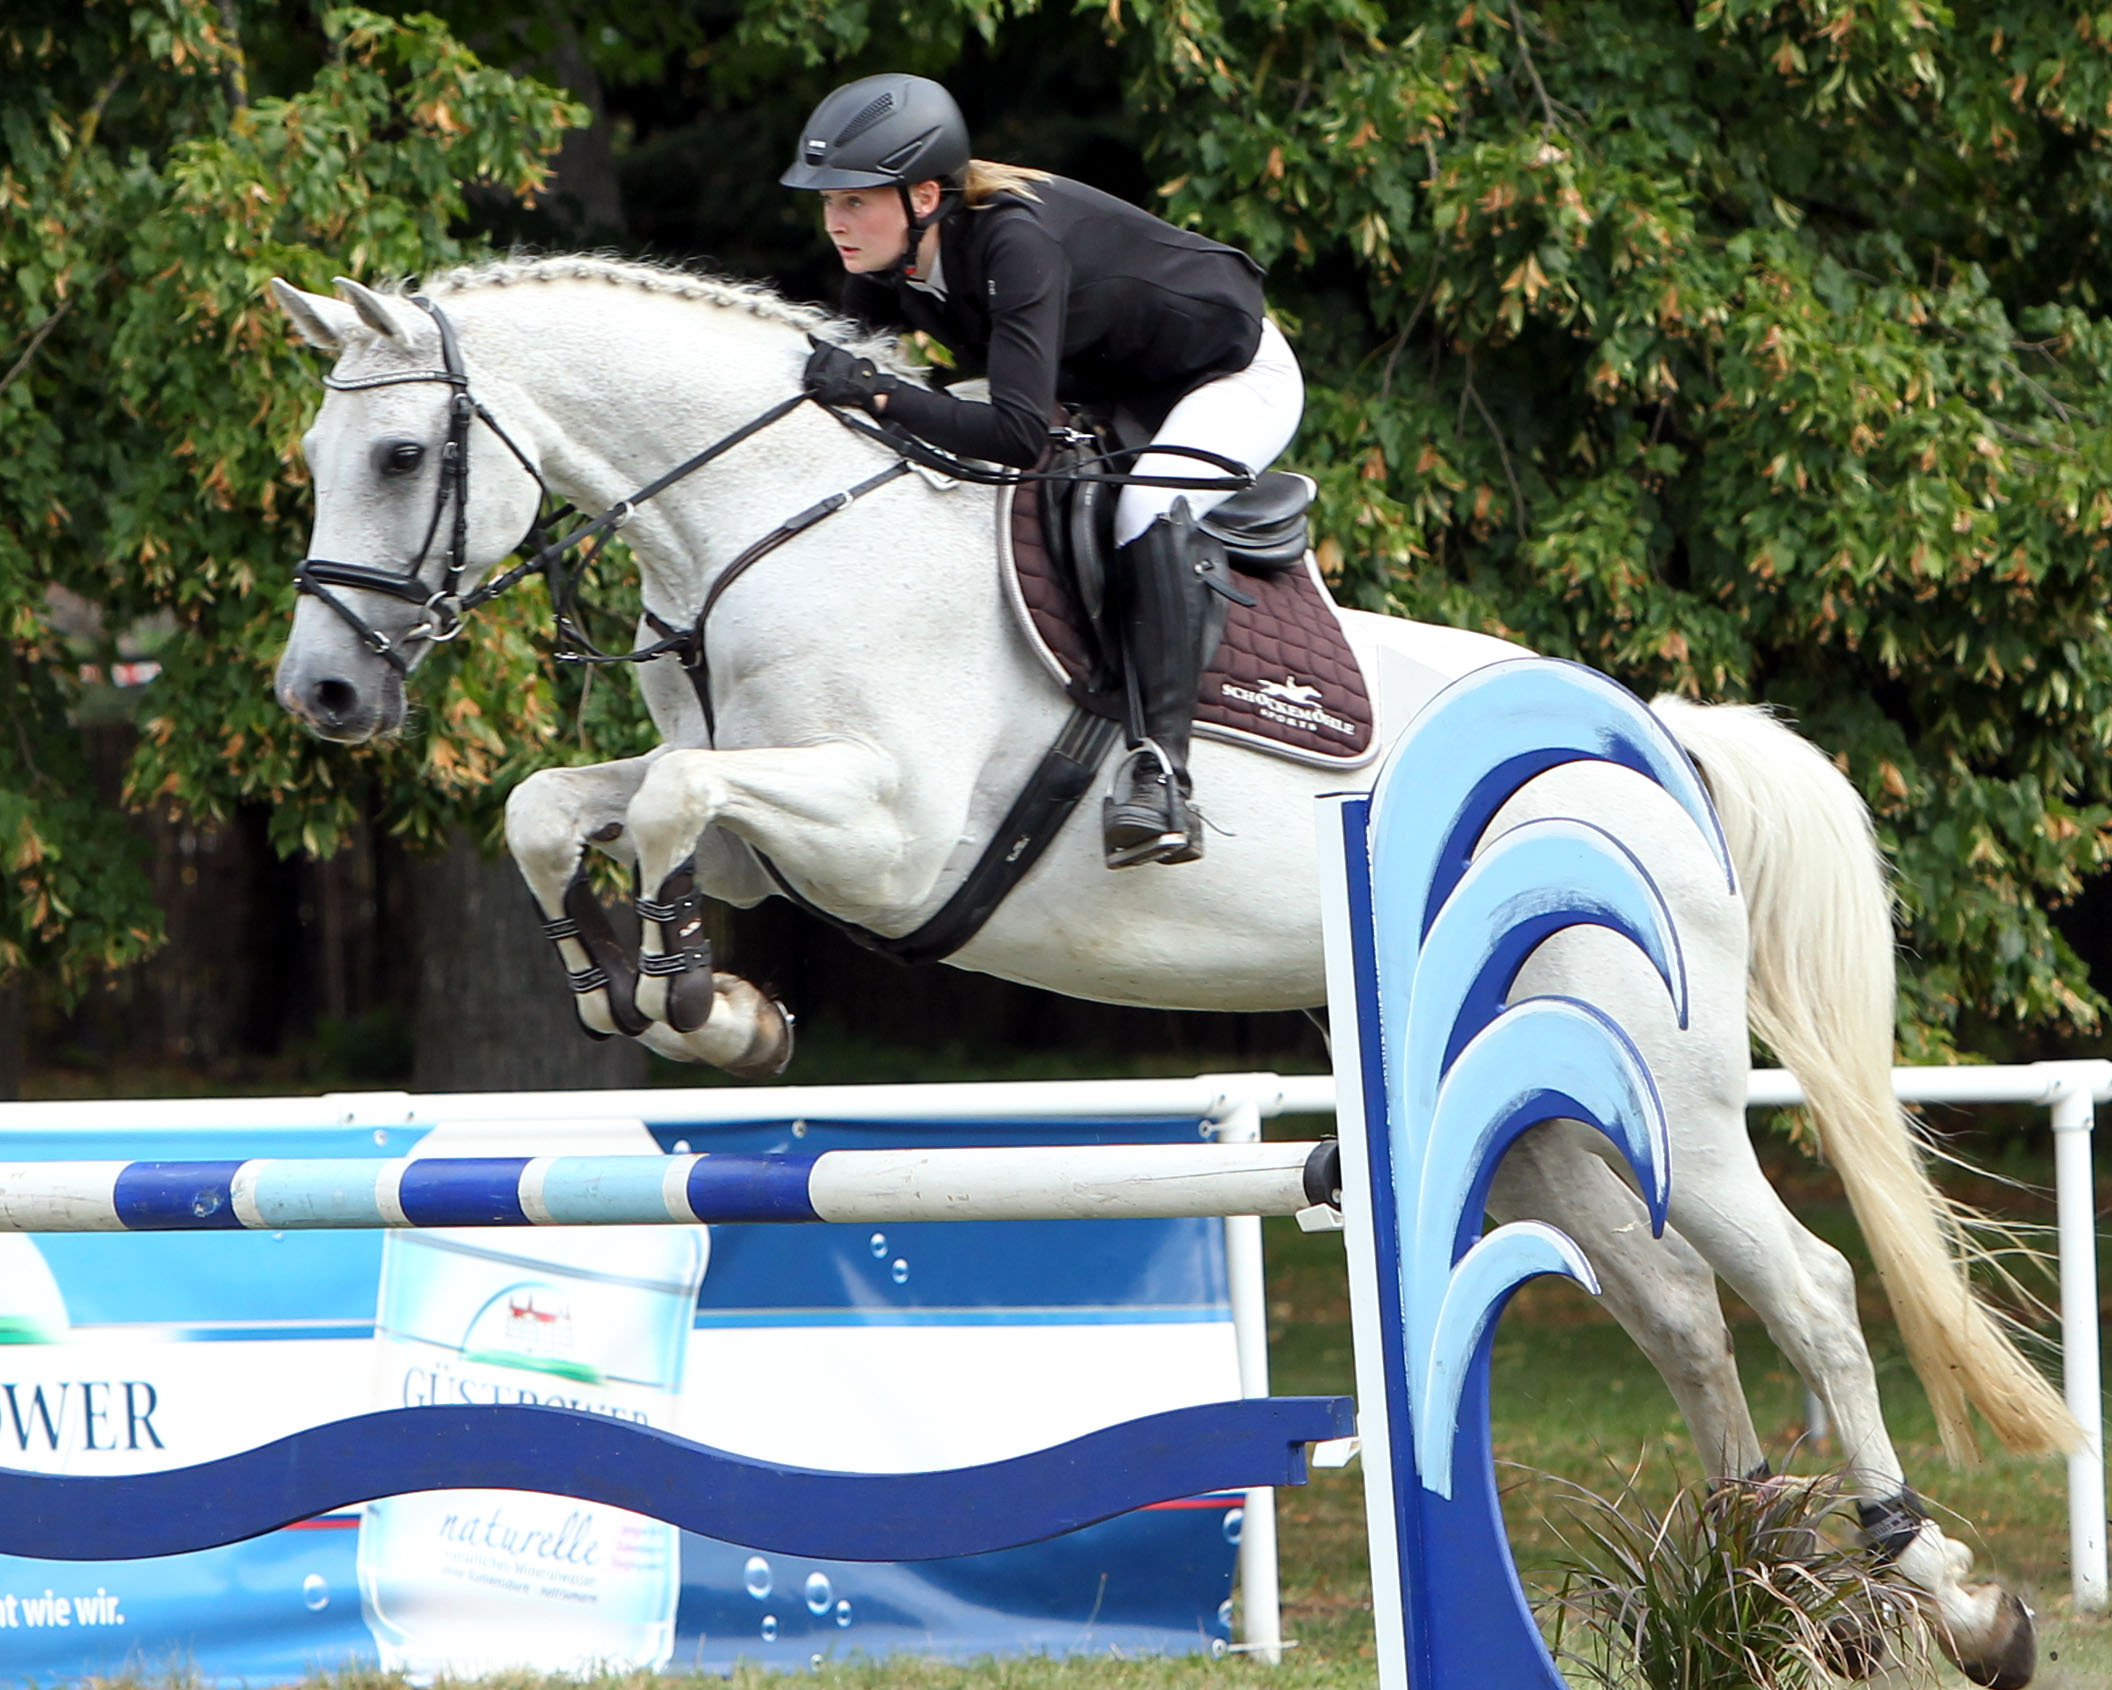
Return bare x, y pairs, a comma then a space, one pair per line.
584, 191
493, 1012
14, 1039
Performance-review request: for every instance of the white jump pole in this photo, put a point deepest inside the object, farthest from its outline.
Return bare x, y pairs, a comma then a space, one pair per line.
2074, 1118
1260, 1594
947, 1183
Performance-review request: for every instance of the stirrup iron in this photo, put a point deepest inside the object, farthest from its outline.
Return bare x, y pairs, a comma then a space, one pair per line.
1130, 837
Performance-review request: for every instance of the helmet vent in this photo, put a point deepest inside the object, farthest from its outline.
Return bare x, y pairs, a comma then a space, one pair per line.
872, 112
902, 157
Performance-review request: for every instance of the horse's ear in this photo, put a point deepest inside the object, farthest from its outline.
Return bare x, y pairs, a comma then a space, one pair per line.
380, 313
322, 323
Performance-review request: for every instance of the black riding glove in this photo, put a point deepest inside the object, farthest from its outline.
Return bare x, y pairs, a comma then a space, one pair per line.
838, 377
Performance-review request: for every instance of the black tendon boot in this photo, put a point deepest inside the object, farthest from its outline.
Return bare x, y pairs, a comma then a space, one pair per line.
1171, 578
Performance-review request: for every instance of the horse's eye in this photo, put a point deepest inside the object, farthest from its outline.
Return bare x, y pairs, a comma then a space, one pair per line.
401, 458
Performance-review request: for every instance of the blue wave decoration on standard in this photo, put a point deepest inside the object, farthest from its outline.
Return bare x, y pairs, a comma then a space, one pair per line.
1441, 921
786, 1510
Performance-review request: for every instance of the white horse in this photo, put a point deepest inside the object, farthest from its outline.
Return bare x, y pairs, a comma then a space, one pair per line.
877, 709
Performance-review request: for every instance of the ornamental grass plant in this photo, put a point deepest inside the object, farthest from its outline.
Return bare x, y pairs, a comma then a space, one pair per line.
1748, 1585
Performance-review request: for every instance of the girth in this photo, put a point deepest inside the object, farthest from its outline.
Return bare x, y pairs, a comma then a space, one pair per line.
1063, 776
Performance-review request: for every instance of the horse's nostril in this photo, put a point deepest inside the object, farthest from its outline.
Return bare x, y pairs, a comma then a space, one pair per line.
333, 700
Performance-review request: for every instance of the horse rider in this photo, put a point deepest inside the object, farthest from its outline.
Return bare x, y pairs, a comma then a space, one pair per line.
1058, 291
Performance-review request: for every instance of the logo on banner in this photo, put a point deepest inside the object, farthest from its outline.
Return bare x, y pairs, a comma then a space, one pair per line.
63, 1416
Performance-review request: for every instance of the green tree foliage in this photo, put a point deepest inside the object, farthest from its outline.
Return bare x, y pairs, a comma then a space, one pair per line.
152, 405
1753, 351
1748, 349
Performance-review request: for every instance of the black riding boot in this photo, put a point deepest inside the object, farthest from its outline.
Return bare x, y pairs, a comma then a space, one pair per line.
1171, 620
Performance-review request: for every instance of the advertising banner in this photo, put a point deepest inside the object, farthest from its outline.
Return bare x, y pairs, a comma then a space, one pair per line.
913, 1348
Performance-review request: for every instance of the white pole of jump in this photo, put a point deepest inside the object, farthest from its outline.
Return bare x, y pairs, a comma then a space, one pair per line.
1260, 1595
2074, 1118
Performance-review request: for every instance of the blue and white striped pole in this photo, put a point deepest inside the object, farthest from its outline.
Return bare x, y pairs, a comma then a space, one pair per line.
1095, 1182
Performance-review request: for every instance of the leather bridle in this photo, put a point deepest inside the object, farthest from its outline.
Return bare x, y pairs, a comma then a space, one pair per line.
446, 606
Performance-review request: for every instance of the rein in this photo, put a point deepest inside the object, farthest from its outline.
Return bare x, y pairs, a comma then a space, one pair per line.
447, 606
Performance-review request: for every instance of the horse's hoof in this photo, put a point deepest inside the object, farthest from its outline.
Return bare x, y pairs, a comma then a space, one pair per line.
2009, 1656
1852, 1647
769, 1052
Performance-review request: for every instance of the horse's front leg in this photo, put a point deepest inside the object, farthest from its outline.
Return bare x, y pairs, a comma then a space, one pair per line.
552, 818
821, 813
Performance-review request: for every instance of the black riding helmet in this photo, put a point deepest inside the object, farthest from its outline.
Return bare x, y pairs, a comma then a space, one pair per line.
880, 131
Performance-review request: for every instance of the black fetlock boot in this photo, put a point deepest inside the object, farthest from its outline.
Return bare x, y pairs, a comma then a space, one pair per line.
609, 966
1173, 588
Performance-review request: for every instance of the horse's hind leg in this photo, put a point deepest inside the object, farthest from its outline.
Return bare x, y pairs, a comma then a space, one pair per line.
1660, 1289
1805, 1292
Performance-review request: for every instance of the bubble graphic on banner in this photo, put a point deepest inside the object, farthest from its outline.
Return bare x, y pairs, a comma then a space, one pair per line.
818, 1593
315, 1592
1235, 1519
1224, 1613
843, 1611
769, 1628
756, 1576
877, 1244
899, 1273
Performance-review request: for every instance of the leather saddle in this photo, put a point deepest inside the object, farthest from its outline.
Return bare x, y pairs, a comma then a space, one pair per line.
1284, 678
1264, 530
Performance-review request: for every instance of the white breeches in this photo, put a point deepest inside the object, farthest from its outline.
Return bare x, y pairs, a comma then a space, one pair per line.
1249, 415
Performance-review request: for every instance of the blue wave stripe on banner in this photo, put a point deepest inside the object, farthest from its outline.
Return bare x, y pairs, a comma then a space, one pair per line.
784, 1510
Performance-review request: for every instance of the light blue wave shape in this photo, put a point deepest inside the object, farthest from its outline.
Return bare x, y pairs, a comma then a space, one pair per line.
1520, 719
1455, 919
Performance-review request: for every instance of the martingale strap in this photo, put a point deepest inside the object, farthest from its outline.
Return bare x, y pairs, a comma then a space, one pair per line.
688, 643
1037, 815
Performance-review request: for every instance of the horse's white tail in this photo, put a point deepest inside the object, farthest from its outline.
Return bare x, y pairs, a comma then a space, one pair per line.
1821, 996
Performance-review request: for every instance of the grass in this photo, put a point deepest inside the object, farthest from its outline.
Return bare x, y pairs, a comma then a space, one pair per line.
1737, 1585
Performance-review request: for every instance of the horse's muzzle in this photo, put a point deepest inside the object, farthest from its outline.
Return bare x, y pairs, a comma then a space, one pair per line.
341, 709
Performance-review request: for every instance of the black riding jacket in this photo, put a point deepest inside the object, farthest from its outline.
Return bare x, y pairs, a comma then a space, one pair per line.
1074, 296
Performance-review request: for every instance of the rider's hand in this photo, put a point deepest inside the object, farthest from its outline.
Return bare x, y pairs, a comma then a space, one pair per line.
837, 377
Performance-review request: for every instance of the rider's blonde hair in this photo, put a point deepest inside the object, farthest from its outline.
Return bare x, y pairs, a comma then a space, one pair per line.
983, 181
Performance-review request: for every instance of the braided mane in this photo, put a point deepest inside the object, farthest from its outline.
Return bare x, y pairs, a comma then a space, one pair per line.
758, 299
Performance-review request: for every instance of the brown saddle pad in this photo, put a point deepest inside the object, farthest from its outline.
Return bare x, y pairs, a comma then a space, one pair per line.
1284, 678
